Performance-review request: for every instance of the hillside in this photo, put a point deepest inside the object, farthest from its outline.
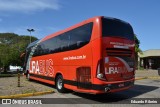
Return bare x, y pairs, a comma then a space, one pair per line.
11, 47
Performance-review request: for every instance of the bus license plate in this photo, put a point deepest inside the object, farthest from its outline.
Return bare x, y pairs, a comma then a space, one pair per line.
121, 85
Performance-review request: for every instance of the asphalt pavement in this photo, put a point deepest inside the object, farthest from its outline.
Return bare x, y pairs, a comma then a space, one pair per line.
143, 89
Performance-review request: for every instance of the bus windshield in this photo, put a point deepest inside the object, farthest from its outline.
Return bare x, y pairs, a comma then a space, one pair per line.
116, 28
28, 51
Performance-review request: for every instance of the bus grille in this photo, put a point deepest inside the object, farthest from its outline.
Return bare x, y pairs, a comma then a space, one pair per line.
118, 52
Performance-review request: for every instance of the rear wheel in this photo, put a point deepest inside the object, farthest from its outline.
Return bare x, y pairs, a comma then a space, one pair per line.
60, 84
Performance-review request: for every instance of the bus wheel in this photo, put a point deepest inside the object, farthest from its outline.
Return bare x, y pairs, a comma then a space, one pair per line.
60, 84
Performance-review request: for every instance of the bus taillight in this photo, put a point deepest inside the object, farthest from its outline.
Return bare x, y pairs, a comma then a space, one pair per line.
100, 70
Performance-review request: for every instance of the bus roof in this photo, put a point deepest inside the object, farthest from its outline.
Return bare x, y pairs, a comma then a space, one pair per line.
93, 19
72, 27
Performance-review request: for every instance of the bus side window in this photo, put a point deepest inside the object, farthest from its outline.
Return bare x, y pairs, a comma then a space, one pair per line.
64, 41
80, 43
81, 35
70, 40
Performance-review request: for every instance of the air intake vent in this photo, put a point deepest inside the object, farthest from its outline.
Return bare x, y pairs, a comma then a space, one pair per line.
84, 77
118, 52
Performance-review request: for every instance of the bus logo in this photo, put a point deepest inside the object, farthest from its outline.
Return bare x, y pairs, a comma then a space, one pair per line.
44, 67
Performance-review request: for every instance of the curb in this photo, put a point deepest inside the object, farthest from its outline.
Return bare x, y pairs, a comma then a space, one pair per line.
154, 77
141, 78
27, 95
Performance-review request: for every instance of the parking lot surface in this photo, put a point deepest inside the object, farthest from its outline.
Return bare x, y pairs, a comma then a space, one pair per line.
145, 88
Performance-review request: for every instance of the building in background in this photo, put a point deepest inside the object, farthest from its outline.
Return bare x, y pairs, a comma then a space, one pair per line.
149, 59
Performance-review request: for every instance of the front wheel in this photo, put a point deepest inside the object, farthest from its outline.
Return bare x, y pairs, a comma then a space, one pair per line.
60, 84
28, 76
159, 71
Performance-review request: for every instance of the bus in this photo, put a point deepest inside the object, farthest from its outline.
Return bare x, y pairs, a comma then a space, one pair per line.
94, 56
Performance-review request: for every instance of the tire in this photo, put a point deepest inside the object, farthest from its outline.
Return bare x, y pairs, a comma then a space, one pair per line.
60, 84
159, 71
28, 77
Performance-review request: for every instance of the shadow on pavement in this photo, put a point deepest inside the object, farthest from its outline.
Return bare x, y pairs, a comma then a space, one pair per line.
116, 97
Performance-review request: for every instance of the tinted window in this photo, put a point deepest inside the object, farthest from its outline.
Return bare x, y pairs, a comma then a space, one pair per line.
116, 27
70, 40
64, 41
80, 36
50, 45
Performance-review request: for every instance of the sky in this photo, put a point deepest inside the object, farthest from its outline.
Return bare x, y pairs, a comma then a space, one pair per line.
49, 16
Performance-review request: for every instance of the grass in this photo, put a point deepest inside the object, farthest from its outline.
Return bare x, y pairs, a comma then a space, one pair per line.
140, 68
6, 75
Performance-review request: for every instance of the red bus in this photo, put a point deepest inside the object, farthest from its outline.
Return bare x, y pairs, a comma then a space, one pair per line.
94, 56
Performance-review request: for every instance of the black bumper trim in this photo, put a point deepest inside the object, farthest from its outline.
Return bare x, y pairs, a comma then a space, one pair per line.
43, 77
112, 86
90, 86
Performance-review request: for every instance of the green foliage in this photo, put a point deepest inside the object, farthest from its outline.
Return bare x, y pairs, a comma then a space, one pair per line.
137, 41
6, 75
137, 50
11, 47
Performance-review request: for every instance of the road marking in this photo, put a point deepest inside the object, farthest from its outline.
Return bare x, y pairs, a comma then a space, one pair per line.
27, 95
153, 77
140, 78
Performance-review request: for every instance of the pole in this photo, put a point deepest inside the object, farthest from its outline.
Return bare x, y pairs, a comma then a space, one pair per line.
30, 30
30, 36
18, 78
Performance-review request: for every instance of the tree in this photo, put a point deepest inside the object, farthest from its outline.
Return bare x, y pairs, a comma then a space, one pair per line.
137, 50
11, 47
137, 43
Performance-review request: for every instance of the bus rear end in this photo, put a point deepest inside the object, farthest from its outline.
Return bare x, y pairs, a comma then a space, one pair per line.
116, 68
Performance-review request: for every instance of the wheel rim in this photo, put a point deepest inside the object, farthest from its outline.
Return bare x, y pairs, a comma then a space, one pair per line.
59, 83
28, 76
